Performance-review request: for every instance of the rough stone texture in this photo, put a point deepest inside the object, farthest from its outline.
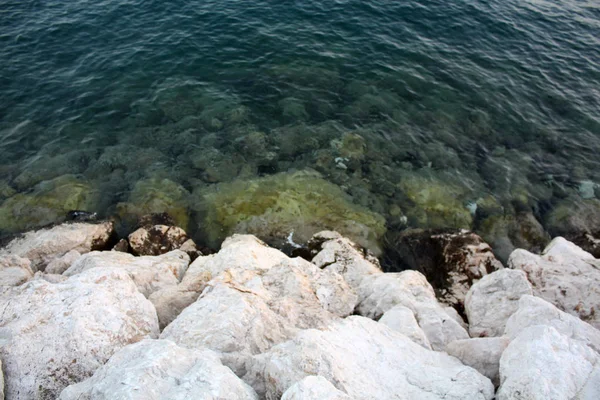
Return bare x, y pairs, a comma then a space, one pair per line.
536, 311
366, 360
450, 259
161, 370
245, 312
566, 276
156, 240
1, 382
493, 299
483, 354
402, 319
44, 245
61, 264
338, 254
543, 364
52, 278
14, 270
53, 335
150, 273
380, 293
314, 388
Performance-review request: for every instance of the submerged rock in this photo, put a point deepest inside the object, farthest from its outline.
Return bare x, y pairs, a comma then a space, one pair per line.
564, 275
295, 204
54, 335
158, 370
365, 360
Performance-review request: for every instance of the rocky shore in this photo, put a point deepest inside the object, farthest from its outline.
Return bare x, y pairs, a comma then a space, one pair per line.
154, 316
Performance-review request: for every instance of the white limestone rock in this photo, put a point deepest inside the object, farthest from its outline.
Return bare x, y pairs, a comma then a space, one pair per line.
564, 275
544, 364
314, 388
483, 354
54, 335
365, 360
61, 264
44, 245
341, 255
161, 370
492, 300
402, 319
379, 293
150, 273
14, 270
534, 311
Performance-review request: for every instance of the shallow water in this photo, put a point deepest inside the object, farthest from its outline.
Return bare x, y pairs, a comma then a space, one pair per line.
430, 113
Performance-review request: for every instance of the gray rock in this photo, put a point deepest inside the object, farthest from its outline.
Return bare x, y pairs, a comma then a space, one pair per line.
483, 354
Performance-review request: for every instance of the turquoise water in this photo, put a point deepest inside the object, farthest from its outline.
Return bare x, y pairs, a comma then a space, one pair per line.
429, 113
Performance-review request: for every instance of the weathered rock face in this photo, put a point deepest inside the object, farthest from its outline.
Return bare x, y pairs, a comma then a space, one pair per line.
365, 360
402, 319
380, 293
564, 275
161, 370
149, 273
54, 335
483, 354
61, 264
450, 259
493, 299
542, 363
314, 388
14, 270
43, 246
156, 240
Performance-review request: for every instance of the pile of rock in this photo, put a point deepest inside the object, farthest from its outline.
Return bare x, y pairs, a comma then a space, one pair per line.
249, 322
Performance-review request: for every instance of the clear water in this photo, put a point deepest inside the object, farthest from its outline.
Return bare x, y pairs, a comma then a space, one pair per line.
468, 104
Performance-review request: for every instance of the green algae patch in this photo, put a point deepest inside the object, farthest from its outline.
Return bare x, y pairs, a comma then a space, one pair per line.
48, 203
435, 201
156, 195
274, 207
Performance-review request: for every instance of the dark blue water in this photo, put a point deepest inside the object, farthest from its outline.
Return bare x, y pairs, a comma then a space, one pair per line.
458, 103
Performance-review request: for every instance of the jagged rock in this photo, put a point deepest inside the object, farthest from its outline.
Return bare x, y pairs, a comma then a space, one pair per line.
366, 360
314, 388
45, 245
157, 370
380, 293
14, 270
189, 246
122, 246
536, 311
54, 335
543, 364
450, 259
61, 264
493, 299
451, 311
156, 240
338, 254
150, 273
402, 319
483, 354
564, 275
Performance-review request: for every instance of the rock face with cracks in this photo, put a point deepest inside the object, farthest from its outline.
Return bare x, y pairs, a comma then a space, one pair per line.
53, 335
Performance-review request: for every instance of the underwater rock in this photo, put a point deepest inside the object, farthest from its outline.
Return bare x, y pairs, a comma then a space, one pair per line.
47, 203
156, 240
286, 205
573, 216
156, 195
215, 165
6, 190
293, 109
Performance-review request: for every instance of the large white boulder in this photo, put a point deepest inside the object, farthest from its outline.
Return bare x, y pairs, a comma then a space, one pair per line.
379, 293
150, 273
161, 370
543, 364
44, 245
483, 354
492, 300
54, 335
401, 319
14, 270
564, 275
365, 360
534, 311
314, 388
